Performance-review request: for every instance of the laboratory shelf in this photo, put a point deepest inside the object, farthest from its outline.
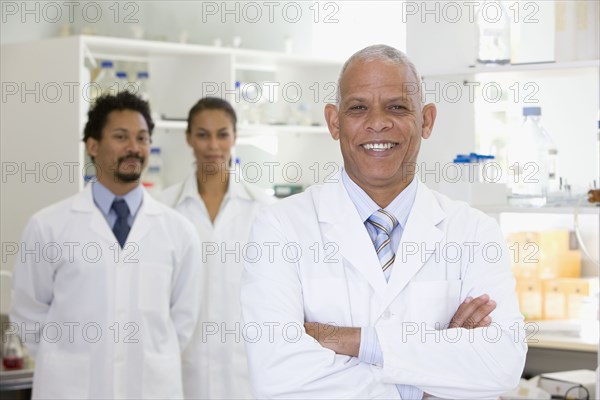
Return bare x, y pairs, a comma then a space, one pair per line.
584, 339
501, 209
286, 129
250, 130
115, 48
170, 124
528, 67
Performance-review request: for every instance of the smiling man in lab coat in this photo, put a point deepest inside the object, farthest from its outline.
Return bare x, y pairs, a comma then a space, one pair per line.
394, 313
105, 289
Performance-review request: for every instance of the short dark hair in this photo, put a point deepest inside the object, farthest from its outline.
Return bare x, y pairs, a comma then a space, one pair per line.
106, 104
212, 103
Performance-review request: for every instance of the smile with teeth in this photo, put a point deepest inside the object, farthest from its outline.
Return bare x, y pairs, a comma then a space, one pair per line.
379, 146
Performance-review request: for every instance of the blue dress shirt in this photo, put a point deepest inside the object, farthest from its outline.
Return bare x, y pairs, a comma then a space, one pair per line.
103, 198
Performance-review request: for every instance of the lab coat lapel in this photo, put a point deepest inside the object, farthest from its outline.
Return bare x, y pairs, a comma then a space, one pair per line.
142, 222
84, 202
417, 244
342, 226
236, 192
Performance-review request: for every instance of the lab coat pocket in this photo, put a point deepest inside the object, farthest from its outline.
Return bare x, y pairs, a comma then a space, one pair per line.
162, 377
62, 375
433, 303
154, 290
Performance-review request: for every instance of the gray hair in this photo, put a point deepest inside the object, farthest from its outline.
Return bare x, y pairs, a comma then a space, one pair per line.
384, 53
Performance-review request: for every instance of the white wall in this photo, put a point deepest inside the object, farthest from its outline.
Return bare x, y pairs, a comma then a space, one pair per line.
325, 28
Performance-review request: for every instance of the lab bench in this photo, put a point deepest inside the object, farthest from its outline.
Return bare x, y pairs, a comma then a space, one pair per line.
16, 385
553, 352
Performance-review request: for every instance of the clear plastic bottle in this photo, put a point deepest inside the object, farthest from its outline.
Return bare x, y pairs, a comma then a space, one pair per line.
493, 27
142, 85
104, 81
122, 81
532, 161
153, 176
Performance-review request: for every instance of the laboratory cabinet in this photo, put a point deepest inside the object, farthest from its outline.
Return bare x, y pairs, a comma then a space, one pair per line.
480, 110
480, 106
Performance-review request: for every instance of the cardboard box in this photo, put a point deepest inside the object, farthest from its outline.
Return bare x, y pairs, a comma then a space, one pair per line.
544, 255
555, 300
531, 299
579, 292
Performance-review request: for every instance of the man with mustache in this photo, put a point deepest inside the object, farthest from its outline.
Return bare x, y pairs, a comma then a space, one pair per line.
108, 309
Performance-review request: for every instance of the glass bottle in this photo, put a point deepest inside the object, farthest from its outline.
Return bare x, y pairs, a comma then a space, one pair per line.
532, 161
493, 27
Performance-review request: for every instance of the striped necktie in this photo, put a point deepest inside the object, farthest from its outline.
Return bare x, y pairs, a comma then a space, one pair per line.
384, 223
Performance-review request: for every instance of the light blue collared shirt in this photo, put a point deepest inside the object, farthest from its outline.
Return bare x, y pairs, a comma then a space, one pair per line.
400, 207
104, 199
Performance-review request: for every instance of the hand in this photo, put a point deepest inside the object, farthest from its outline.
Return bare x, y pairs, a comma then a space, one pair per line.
341, 340
473, 313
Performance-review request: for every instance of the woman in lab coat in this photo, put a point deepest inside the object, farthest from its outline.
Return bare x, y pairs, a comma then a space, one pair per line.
222, 208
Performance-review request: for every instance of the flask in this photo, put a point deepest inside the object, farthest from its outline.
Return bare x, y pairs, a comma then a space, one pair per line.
12, 352
532, 161
493, 27
153, 176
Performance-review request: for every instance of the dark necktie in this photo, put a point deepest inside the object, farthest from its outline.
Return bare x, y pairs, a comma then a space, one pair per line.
121, 228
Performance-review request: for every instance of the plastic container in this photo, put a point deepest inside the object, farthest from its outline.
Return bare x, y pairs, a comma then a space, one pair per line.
493, 28
532, 162
122, 81
153, 179
105, 82
141, 85
467, 167
473, 167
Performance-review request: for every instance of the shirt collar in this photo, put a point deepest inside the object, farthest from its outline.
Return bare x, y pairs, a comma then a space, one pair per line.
236, 189
104, 198
399, 207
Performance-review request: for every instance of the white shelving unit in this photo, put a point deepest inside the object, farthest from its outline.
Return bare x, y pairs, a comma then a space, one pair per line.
42, 131
512, 68
583, 210
178, 126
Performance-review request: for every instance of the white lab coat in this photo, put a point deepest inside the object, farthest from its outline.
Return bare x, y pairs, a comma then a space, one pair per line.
215, 366
337, 279
116, 321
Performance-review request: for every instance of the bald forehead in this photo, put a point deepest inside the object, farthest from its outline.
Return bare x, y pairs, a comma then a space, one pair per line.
378, 73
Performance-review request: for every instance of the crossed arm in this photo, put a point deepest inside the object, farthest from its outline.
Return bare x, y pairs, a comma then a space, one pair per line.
472, 313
